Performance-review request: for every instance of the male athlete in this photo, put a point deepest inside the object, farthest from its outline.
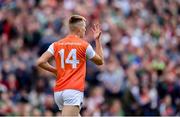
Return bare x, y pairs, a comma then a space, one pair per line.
70, 54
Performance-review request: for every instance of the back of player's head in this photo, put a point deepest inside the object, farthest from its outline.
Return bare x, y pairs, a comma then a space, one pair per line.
76, 21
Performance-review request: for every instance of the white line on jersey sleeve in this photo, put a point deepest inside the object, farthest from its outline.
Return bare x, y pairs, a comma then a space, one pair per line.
90, 53
51, 49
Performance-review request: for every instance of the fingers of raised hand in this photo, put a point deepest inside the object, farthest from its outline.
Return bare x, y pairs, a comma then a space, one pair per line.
97, 27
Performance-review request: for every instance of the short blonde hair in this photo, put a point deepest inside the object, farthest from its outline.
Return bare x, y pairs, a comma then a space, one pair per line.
76, 18
75, 21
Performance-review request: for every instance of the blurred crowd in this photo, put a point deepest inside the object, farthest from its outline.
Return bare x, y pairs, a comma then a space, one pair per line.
141, 43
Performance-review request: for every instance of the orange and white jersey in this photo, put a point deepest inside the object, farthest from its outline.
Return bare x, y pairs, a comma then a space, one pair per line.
70, 55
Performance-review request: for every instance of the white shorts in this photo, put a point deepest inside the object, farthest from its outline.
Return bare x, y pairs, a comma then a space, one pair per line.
68, 97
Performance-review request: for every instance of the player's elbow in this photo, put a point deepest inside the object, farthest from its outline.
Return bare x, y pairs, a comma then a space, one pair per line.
100, 62
39, 62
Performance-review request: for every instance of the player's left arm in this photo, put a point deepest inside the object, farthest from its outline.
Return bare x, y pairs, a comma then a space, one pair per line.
43, 62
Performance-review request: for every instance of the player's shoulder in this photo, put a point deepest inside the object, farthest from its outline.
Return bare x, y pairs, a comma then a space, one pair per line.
81, 41
72, 41
84, 42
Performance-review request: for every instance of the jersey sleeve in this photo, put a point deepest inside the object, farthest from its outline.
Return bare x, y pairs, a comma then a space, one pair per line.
90, 53
51, 49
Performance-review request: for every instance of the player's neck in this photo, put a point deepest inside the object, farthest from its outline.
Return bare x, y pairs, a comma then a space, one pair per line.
75, 34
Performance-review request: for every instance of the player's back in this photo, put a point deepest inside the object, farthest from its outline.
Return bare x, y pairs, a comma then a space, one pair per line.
70, 57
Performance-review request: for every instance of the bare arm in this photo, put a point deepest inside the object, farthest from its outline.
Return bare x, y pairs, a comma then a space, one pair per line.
43, 62
98, 58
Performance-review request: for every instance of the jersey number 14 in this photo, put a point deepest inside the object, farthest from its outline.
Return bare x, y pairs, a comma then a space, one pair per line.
73, 61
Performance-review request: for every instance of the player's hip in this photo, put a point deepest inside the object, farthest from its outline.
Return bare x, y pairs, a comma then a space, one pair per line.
68, 97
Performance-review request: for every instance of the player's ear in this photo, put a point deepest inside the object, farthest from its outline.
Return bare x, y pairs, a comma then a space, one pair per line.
79, 28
